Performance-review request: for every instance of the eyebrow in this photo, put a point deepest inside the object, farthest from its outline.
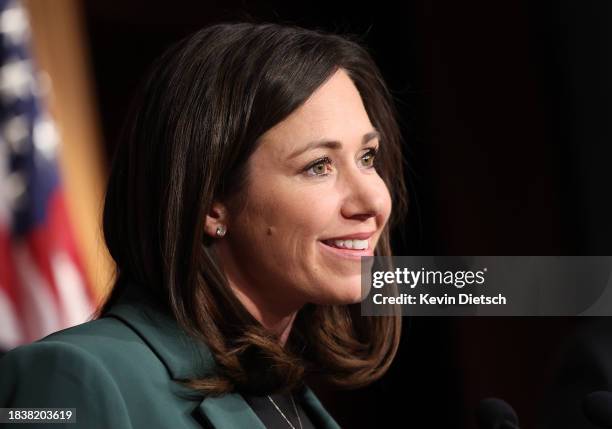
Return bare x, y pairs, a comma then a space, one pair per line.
332, 144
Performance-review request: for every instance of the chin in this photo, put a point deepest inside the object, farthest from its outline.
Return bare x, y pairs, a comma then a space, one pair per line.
348, 295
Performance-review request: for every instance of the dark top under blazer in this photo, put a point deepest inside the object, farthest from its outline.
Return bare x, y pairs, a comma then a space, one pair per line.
120, 372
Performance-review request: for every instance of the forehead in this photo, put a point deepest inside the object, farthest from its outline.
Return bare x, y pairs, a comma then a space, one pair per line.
335, 111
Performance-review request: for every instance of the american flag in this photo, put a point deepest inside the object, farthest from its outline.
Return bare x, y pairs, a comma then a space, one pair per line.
42, 285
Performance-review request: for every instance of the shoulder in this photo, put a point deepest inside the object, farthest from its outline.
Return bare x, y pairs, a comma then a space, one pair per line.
97, 346
62, 371
107, 341
103, 368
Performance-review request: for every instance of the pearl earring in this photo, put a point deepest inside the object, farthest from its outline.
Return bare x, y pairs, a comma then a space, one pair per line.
220, 231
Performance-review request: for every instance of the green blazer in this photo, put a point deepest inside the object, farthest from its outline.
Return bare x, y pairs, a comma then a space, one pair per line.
120, 372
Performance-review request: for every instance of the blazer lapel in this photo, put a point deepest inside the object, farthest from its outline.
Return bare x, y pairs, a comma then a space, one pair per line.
230, 411
315, 408
185, 358
233, 412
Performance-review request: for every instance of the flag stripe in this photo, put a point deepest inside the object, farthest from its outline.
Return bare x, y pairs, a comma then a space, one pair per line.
42, 285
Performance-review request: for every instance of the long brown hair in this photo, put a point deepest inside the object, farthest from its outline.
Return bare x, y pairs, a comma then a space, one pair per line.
194, 124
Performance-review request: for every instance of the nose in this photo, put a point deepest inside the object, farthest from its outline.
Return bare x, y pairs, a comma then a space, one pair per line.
365, 196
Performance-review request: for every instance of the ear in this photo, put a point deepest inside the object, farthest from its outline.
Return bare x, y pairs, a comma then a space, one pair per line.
216, 220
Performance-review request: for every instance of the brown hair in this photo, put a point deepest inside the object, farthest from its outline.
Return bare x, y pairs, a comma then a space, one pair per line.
195, 122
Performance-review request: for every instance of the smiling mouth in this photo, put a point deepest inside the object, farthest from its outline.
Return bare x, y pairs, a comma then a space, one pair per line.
339, 248
357, 245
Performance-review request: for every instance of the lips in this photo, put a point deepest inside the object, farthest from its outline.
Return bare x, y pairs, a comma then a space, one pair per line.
349, 246
354, 236
346, 254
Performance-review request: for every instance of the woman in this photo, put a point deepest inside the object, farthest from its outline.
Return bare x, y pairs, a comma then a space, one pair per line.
259, 164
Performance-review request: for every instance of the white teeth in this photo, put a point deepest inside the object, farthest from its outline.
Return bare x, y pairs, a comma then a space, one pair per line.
351, 244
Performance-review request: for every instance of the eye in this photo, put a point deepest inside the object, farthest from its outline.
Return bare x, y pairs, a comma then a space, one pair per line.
320, 167
368, 159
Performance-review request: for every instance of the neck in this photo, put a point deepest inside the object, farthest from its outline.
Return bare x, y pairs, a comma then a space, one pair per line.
279, 323
275, 312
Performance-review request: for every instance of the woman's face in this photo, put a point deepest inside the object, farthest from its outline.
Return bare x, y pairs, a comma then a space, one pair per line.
314, 204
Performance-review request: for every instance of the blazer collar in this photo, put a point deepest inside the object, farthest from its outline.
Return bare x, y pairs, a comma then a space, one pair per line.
182, 356
187, 358
233, 412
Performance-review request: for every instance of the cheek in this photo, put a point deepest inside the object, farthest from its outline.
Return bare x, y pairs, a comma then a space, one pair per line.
294, 213
279, 236
287, 225
386, 204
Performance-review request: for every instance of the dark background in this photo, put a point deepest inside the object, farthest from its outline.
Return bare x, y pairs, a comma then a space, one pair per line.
504, 108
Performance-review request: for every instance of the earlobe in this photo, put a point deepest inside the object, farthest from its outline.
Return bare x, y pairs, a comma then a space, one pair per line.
215, 223
221, 230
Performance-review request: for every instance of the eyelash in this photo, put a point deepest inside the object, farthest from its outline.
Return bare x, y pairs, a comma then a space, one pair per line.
327, 161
